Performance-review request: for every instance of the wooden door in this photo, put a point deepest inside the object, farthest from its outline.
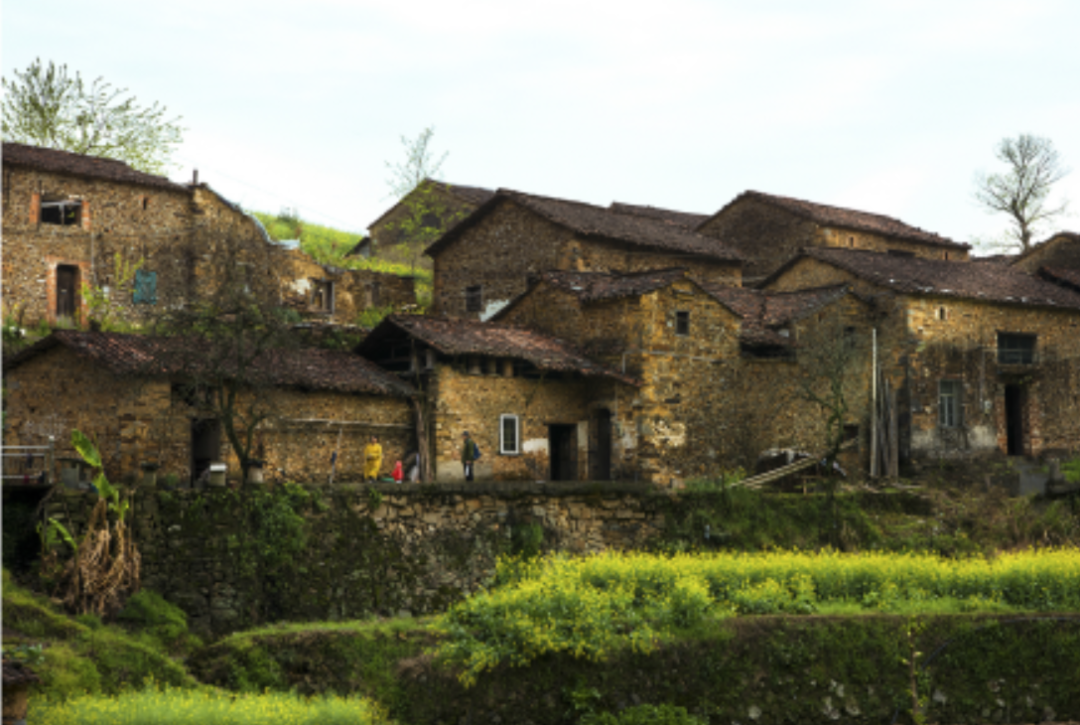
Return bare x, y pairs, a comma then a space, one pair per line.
67, 290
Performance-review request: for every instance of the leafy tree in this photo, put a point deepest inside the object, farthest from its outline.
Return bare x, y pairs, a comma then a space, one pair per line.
45, 106
427, 213
417, 166
1023, 189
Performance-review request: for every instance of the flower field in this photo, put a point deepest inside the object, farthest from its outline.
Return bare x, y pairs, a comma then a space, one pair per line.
588, 606
198, 707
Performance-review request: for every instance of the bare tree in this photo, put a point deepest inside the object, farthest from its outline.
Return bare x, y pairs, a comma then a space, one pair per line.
44, 106
1023, 190
417, 166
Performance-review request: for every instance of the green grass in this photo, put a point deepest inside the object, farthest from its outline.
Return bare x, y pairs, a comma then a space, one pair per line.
82, 655
170, 706
329, 246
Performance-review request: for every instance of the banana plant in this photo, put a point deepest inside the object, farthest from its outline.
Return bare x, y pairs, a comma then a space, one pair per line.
89, 452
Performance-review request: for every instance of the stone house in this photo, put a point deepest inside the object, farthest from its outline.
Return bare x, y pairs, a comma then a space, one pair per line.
769, 230
433, 206
68, 217
536, 407
334, 294
984, 356
130, 393
717, 364
490, 257
1061, 251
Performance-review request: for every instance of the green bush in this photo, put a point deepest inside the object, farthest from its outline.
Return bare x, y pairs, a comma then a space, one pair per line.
645, 715
148, 613
199, 707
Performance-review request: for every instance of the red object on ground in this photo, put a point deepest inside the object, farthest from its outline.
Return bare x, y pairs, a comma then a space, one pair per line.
398, 475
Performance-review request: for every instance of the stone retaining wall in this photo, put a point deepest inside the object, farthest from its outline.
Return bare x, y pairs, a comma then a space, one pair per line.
384, 549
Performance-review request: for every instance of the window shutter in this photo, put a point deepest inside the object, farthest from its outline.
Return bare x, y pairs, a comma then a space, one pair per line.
145, 288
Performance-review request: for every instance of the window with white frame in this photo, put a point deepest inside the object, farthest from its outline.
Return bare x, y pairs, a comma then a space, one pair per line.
949, 403
509, 435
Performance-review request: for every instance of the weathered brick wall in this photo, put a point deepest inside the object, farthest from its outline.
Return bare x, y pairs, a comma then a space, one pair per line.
412, 548
769, 236
133, 221
918, 350
511, 244
498, 253
475, 402
130, 418
136, 420
596, 256
387, 230
1055, 252
354, 290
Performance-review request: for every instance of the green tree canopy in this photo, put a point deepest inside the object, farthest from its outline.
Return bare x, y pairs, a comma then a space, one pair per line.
44, 106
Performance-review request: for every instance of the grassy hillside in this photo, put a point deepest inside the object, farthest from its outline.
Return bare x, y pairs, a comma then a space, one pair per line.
329, 245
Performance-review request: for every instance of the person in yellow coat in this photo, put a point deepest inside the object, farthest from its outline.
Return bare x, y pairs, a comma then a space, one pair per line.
372, 459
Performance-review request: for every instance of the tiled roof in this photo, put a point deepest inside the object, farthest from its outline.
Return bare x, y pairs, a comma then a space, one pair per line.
65, 162
967, 280
835, 216
599, 223
474, 196
1062, 276
471, 337
593, 286
144, 355
684, 219
1056, 238
763, 312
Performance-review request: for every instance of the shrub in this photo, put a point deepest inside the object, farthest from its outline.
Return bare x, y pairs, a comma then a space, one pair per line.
645, 715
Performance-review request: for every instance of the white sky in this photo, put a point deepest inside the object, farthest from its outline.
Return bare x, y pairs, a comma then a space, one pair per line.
888, 106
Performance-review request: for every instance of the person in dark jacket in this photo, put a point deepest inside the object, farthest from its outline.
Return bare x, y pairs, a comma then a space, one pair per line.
469, 453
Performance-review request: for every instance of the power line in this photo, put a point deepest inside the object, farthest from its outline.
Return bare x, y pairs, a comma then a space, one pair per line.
274, 194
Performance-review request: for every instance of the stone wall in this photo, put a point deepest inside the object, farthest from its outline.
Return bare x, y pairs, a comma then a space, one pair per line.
498, 253
1060, 251
769, 236
510, 245
472, 395
378, 550
353, 290
136, 420
926, 339
132, 221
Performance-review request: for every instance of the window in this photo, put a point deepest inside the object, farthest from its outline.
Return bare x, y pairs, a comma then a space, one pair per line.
1016, 349
145, 292
474, 298
682, 323
145, 202
508, 435
322, 300
851, 241
67, 212
949, 403
942, 314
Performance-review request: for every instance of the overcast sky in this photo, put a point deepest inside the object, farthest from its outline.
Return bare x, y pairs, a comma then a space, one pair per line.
889, 106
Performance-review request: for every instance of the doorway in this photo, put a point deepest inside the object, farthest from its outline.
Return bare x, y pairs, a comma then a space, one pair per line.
562, 448
1014, 419
205, 445
600, 446
67, 290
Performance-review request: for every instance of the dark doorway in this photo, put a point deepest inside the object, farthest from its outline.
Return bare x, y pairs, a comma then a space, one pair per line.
600, 446
562, 448
1014, 419
205, 445
67, 290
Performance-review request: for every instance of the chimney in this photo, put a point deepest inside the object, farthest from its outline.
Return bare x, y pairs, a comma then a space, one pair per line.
195, 177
